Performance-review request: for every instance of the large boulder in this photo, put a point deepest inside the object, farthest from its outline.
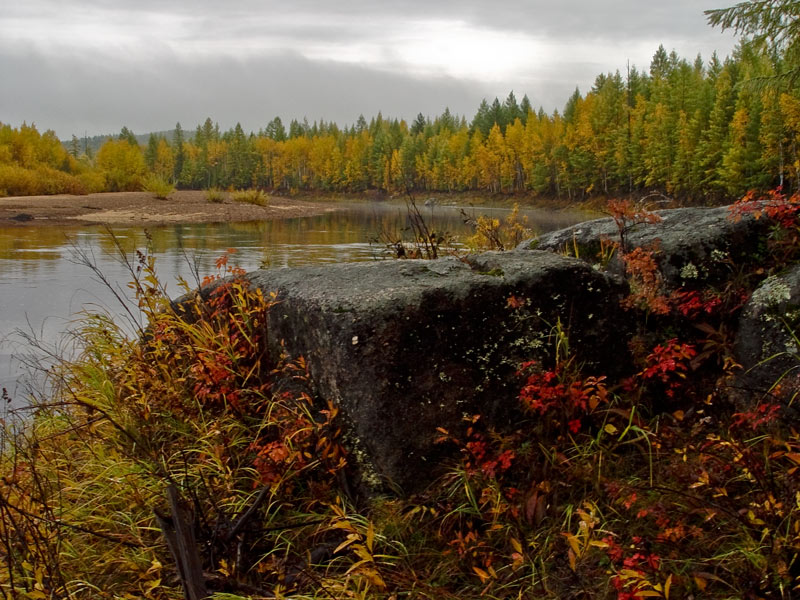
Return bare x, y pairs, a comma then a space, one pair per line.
405, 347
690, 243
707, 247
767, 344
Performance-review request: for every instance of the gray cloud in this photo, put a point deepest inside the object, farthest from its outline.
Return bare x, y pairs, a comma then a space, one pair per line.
610, 17
344, 19
147, 64
77, 98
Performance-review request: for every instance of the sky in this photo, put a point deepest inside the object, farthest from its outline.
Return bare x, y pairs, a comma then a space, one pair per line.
94, 66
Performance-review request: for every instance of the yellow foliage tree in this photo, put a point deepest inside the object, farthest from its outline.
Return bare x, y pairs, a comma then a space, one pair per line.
122, 165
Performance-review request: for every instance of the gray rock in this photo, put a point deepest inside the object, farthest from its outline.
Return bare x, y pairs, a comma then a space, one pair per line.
692, 243
405, 347
766, 343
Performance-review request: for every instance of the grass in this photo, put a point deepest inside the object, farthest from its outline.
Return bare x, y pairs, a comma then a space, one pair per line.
252, 196
160, 188
215, 195
660, 484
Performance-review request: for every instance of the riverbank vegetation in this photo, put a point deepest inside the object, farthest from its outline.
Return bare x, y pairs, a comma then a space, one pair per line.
692, 130
190, 458
181, 456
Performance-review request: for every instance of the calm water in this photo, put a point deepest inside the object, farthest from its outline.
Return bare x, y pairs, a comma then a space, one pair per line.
43, 288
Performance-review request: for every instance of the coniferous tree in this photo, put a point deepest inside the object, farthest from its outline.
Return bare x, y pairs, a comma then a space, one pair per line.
569, 107
482, 121
128, 136
74, 146
180, 156
511, 109
775, 23
497, 116
418, 126
525, 109
151, 151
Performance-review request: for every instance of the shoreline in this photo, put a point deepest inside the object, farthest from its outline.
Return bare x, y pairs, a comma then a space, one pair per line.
191, 206
142, 208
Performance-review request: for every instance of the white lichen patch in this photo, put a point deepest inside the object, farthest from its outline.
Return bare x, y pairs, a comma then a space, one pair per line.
772, 293
689, 271
718, 255
369, 475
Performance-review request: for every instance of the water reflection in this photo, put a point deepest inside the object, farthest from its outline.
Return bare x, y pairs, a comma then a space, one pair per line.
43, 288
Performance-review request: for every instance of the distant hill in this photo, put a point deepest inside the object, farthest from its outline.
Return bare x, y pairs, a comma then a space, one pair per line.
94, 143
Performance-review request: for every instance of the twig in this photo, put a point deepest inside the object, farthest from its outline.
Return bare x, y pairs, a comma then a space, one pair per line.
59, 523
181, 542
248, 514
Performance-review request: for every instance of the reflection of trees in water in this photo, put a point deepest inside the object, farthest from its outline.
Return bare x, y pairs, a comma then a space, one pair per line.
42, 285
41, 249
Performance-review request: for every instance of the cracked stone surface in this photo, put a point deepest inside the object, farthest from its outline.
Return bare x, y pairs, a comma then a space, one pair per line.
405, 347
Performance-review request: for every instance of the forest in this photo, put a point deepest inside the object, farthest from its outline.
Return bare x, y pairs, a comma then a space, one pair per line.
695, 131
184, 456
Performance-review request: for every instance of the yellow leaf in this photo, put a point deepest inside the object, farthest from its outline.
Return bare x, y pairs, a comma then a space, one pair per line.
794, 456
355, 566
362, 552
36, 594
574, 543
370, 536
375, 578
630, 574
571, 556
151, 585
516, 545
610, 429
667, 585
700, 582
223, 568
482, 574
350, 539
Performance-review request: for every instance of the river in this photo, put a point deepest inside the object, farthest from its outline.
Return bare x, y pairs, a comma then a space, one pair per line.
44, 289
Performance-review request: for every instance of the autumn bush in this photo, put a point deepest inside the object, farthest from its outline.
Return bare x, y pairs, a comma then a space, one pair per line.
658, 483
159, 187
252, 196
496, 234
92, 181
195, 400
122, 165
215, 195
41, 180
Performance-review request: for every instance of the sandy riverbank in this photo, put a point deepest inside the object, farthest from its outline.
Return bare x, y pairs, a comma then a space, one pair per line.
141, 208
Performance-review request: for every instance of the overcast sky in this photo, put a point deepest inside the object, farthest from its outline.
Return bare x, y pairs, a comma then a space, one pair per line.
92, 66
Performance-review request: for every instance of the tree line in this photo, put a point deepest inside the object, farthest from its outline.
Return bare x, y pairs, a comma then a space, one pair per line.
697, 131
